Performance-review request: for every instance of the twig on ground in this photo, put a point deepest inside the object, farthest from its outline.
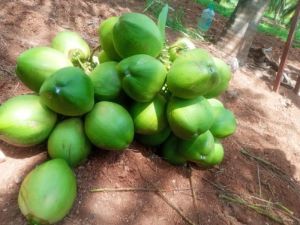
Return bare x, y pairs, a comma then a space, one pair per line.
276, 170
261, 160
272, 168
191, 185
219, 187
268, 186
161, 195
258, 177
263, 207
287, 211
16, 87
129, 189
259, 209
186, 219
190, 175
6, 70
278, 205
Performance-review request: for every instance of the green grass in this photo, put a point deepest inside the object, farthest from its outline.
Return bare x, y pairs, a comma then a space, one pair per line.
279, 32
270, 16
273, 30
174, 20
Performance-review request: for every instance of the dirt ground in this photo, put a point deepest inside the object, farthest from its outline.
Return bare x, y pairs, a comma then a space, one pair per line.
262, 159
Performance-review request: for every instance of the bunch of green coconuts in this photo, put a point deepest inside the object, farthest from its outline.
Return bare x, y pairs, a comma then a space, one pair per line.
137, 87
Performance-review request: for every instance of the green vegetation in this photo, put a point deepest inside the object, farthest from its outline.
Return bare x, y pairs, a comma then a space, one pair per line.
174, 20
274, 25
280, 32
225, 8
273, 30
282, 10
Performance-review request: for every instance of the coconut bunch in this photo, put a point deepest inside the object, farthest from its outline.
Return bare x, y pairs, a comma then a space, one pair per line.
136, 87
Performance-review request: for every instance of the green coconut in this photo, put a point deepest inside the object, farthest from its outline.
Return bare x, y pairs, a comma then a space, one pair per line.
136, 33
72, 45
69, 91
103, 57
36, 64
69, 142
180, 46
154, 139
149, 117
106, 38
24, 121
170, 151
215, 102
195, 149
192, 74
215, 157
106, 81
224, 74
48, 192
142, 77
189, 118
224, 124
109, 126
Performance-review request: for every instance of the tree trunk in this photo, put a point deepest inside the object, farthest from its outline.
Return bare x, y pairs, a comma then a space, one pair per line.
239, 36
241, 3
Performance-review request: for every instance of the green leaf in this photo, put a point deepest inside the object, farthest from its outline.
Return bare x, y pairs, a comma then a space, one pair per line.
162, 20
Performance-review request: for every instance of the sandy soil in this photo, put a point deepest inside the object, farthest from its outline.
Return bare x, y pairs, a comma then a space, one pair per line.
268, 128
